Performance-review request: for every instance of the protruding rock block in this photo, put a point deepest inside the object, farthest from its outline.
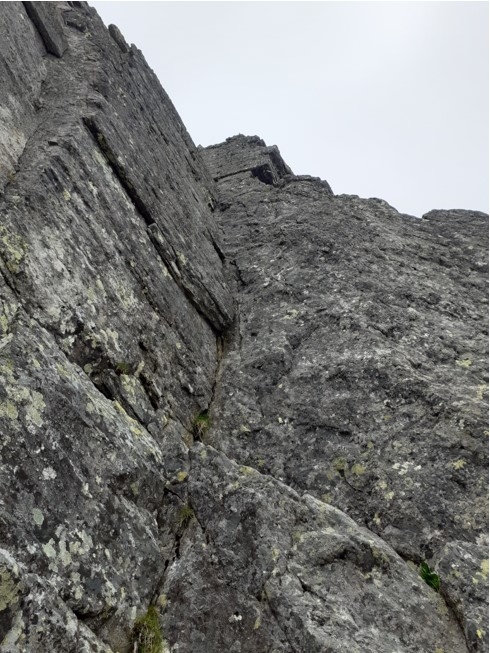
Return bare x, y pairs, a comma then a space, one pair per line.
45, 17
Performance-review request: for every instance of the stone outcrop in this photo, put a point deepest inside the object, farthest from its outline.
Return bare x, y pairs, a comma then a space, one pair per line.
227, 394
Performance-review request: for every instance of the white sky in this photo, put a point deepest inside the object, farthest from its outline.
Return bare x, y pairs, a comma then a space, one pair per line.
381, 99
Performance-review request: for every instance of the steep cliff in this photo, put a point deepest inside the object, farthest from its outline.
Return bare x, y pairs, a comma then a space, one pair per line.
237, 411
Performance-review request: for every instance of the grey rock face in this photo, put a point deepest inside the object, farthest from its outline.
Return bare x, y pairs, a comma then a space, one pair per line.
357, 367
225, 392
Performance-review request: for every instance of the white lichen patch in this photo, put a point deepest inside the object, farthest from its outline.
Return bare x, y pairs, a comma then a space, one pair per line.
126, 297
49, 550
35, 409
38, 516
406, 467
291, 314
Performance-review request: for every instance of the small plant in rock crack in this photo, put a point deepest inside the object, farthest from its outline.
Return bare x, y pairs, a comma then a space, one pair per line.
122, 368
146, 637
185, 515
201, 424
430, 577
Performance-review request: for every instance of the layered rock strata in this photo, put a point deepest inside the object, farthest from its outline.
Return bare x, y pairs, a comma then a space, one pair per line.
226, 394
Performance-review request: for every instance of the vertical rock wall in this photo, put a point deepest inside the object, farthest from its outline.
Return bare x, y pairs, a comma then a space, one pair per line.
225, 393
112, 306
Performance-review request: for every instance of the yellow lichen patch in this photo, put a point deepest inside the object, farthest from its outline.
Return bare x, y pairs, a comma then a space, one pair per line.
66, 195
480, 633
381, 558
481, 391
7, 314
91, 295
62, 370
331, 474
458, 464
134, 489
181, 476
258, 623
133, 424
464, 362
12, 248
9, 592
482, 575
296, 537
9, 410
340, 464
357, 469
247, 471
484, 568
20, 397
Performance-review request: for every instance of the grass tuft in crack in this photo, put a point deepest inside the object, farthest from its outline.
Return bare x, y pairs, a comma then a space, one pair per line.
185, 515
201, 424
147, 637
429, 576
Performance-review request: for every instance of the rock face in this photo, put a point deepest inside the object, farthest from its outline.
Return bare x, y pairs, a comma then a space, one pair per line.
227, 395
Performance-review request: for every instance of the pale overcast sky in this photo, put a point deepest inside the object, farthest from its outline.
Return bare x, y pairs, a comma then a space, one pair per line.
381, 99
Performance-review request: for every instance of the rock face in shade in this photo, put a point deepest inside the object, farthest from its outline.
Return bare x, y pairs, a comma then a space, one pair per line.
226, 394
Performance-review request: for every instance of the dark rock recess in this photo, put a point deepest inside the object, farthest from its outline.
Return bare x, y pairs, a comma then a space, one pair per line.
225, 391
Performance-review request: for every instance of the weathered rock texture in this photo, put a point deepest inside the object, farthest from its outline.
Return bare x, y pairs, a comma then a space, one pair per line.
225, 391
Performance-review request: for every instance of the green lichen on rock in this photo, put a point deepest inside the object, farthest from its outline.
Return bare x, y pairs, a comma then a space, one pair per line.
147, 637
9, 592
12, 248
